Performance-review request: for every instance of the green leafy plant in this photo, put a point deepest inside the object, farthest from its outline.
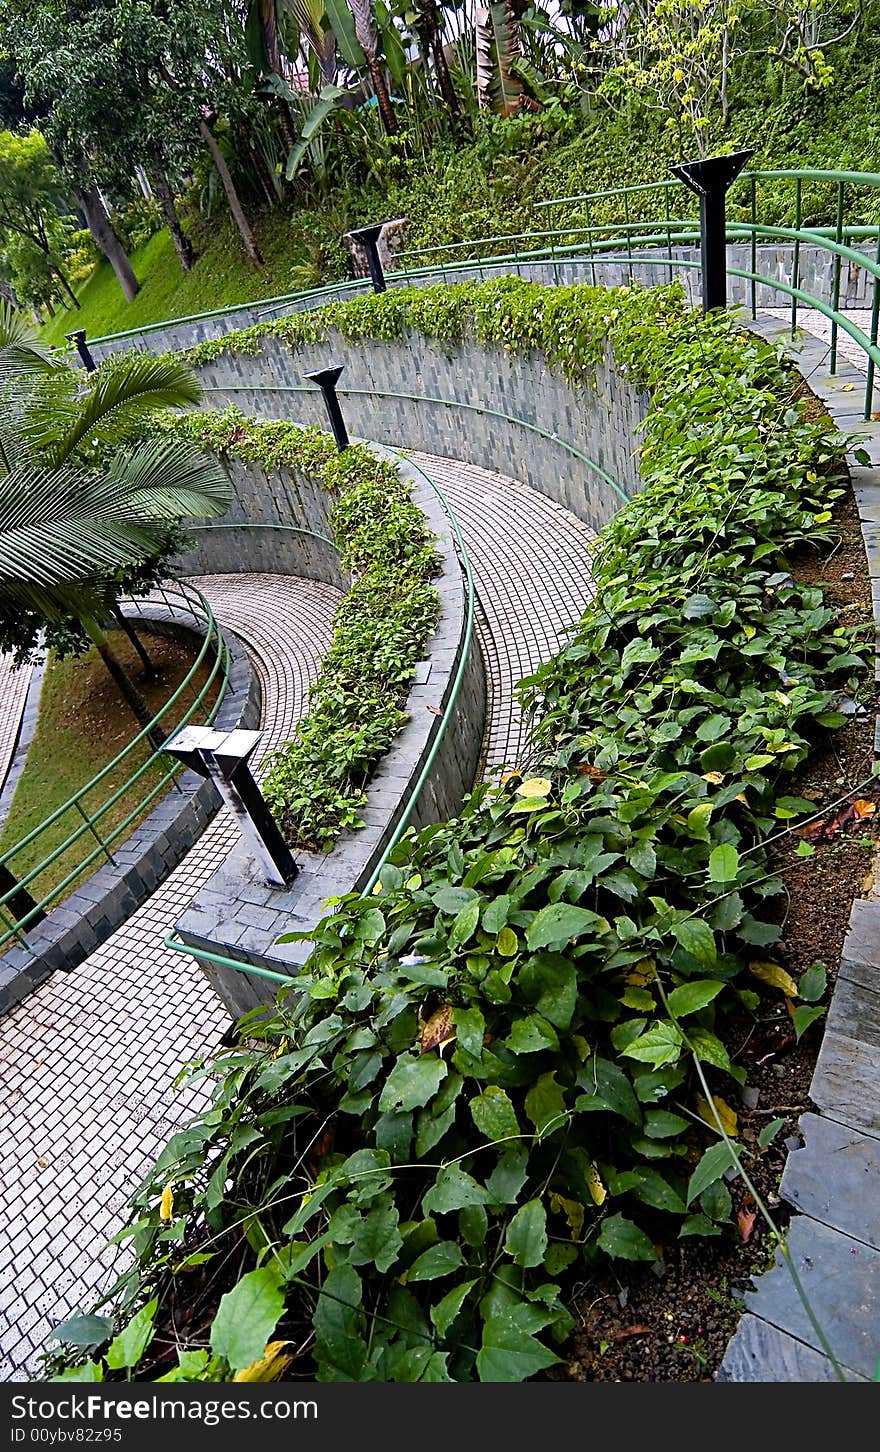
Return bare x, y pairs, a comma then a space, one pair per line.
315, 784
495, 1067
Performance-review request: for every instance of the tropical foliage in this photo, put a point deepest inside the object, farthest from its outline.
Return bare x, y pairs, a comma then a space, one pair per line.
268, 105
315, 784
85, 514
516, 1056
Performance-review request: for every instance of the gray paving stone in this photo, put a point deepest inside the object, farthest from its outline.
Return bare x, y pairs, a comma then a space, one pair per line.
841, 1279
835, 1178
760, 1352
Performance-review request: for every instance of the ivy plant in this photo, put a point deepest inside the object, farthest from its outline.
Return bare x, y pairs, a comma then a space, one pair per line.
511, 1059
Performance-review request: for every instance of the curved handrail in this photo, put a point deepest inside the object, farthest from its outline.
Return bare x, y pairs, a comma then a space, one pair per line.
182, 601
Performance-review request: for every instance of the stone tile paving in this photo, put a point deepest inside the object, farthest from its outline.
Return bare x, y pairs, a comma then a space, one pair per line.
531, 560
13, 694
87, 1062
834, 1180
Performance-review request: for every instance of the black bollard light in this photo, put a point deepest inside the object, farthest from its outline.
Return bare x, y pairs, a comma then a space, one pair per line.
78, 338
224, 757
327, 379
369, 240
711, 180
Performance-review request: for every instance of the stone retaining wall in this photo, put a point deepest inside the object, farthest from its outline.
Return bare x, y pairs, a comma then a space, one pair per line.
815, 272
602, 422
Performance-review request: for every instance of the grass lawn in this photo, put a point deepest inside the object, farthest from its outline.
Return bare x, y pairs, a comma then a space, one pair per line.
220, 276
83, 724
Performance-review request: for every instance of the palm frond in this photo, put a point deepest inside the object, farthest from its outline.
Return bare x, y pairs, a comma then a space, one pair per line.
167, 480
63, 531
21, 351
121, 395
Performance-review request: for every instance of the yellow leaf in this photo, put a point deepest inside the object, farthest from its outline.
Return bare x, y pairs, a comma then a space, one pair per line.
414, 882
723, 1110
167, 1203
572, 1210
594, 1185
536, 786
864, 808
715, 777
507, 943
847, 388
776, 977
641, 973
581, 1047
271, 1366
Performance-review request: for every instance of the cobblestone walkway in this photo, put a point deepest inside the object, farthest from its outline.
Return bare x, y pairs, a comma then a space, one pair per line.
88, 1061
13, 694
531, 560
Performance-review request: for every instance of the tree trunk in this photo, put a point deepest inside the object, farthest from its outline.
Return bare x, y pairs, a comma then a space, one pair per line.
441, 69
102, 230
182, 244
65, 284
127, 689
251, 249
125, 624
386, 110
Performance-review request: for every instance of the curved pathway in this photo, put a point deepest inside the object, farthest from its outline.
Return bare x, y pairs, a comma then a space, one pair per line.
88, 1061
532, 562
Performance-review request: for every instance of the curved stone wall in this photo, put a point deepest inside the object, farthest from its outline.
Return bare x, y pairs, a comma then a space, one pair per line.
394, 384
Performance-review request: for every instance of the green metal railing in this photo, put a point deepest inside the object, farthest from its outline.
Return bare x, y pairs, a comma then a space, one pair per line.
87, 820
617, 236
219, 960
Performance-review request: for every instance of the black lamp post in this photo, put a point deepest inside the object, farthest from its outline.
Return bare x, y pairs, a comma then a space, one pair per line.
224, 757
78, 338
369, 240
327, 379
711, 180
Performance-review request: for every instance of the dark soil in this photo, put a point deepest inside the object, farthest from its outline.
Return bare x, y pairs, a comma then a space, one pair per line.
671, 1321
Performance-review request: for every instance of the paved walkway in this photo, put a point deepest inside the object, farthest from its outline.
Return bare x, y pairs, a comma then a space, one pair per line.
88, 1061
13, 695
531, 560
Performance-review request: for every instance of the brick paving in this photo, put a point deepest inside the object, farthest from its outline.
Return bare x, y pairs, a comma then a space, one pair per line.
531, 560
88, 1061
13, 694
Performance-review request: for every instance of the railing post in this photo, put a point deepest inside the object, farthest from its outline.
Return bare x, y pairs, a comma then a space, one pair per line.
369, 240
327, 379
78, 338
711, 180
796, 260
875, 325
835, 287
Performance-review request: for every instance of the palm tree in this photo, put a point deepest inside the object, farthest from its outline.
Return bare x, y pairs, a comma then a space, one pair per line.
84, 501
368, 40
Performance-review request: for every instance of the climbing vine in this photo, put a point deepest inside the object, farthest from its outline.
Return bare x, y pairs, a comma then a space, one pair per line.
315, 783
